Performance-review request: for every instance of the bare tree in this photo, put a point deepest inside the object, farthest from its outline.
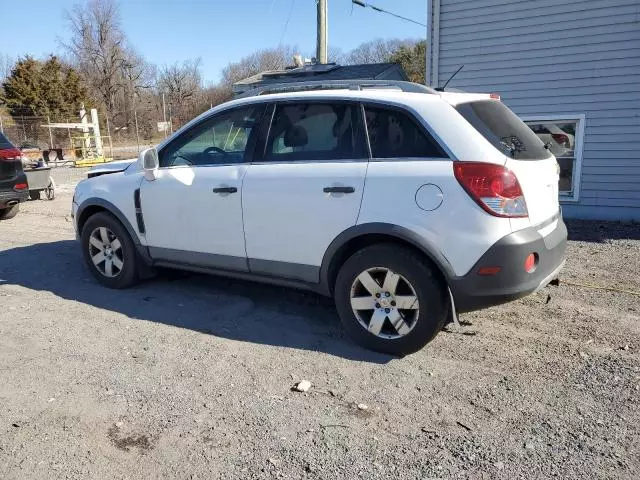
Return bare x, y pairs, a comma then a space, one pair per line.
182, 83
6, 65
260, 61
376, 51
98, 48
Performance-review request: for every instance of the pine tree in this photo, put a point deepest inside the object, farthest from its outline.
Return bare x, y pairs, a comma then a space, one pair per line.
413, 60
22, 93
47, 88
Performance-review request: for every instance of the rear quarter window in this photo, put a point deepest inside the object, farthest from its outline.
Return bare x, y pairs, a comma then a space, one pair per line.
503, 129
394, 134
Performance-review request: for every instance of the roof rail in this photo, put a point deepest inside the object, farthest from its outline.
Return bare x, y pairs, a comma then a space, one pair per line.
336, 84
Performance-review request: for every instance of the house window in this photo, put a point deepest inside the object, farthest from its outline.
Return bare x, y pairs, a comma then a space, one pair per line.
563, 135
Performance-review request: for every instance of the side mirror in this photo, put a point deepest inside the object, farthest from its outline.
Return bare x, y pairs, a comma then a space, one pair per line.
149, 160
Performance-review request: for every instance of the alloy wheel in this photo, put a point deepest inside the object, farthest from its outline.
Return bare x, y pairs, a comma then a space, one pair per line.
384, 302
105, 250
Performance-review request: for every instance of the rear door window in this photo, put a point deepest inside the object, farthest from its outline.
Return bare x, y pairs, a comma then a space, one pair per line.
395, 134
503, 129
315, 131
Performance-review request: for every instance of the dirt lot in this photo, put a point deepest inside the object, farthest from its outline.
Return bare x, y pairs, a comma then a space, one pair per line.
190, 376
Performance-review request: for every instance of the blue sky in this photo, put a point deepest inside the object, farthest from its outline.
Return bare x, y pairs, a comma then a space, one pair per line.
218, 31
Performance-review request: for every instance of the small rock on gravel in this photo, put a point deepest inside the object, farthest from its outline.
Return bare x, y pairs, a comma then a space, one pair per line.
302, 386
363, 406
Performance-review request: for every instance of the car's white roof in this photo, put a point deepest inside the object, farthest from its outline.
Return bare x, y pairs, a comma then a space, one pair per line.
380, 94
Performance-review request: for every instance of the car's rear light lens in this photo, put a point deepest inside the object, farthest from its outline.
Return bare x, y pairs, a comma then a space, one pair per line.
10, 154
494, 187
531, 263
495, 96
561, 138
20, 186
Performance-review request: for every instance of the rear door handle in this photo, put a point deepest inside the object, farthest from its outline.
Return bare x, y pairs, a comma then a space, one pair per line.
225, 190
338, 189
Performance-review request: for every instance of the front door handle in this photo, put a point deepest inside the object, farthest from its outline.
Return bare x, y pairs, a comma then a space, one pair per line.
338, 189
225, 190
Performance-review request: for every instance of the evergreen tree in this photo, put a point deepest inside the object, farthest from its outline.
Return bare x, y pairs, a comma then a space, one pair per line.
413, 60
43, 88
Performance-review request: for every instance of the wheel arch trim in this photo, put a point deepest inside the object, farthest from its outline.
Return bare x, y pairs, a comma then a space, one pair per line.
143, 251
112, 209
378, 228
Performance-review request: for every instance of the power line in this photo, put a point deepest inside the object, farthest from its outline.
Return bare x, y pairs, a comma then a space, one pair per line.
378, 9
286, 24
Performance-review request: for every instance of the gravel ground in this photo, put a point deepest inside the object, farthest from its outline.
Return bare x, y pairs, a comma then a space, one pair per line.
189, 376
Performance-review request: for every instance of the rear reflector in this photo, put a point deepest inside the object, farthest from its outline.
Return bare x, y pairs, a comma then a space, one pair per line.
20, 186
10, 154
494, 187
488, 271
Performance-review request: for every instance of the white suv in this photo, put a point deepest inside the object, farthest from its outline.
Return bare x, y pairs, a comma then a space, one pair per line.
405, 204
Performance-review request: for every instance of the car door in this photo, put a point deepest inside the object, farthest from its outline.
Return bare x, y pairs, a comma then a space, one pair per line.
305, 186
193, 210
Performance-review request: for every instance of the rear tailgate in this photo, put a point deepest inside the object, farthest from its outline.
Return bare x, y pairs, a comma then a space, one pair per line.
539, 182
526, 156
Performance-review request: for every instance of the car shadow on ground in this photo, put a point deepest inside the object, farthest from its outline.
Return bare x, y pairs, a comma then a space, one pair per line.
601, 231
227, 308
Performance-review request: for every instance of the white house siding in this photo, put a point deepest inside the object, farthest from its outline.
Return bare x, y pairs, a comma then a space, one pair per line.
552, 57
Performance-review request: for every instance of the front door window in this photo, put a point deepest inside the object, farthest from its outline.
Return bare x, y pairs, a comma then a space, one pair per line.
220, 140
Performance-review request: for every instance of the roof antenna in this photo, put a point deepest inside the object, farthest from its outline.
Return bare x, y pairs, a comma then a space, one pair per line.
441, 89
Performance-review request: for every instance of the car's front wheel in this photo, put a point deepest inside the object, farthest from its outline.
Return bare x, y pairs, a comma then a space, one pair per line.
390, 299
109, 251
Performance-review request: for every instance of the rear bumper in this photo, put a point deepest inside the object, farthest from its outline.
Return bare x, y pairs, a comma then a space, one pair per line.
9, 196
473, 291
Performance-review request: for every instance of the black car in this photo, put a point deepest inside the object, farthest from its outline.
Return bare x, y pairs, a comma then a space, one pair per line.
13, 181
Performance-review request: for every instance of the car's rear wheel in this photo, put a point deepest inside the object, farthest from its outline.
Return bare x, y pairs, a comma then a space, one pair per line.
390, 299
7, 213
109, 251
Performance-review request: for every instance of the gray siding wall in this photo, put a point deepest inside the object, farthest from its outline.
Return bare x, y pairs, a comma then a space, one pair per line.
553, 57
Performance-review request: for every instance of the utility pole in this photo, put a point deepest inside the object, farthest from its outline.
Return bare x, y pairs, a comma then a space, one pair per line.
321, 43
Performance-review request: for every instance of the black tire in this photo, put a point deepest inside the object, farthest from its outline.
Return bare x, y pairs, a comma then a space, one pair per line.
128, 275
421, 276
7, 213
35, 194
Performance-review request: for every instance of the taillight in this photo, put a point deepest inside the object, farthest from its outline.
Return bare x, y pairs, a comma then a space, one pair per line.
561, 138
10, 154
20, 186
531, 262
494, 187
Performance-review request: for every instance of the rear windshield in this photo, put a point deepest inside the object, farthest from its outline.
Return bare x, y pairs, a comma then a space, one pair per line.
503, 129
4, 142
